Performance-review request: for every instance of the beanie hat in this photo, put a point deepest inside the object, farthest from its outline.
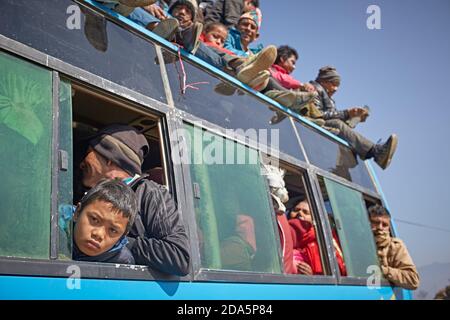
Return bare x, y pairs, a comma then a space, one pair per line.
255, 15
191, 4
123, 145
328, 73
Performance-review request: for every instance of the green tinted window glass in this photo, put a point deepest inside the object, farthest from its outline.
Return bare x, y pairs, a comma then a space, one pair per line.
25, 157
353, 229
65, 193
234, 216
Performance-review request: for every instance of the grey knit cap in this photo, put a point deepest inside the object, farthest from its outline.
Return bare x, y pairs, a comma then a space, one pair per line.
123, 145
329, 73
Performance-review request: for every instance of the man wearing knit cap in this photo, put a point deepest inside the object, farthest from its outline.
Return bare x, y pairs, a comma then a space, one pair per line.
158, 237
326, 84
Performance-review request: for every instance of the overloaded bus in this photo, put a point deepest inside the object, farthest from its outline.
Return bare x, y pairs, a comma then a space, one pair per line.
57, 88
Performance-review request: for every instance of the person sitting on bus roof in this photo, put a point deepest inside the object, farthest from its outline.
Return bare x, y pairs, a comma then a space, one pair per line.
141, 12
158, 237
326, 84
246, 70
102, 220
228, 12
247, 31
396, 263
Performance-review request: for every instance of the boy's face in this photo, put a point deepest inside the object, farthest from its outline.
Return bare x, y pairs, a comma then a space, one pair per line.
289, 63
98, 228
183, 15
248, 6
217, 35
248, 30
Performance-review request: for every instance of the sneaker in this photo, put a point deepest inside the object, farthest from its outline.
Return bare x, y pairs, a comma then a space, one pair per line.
248, 70
95, 29
191, 37
385, 152
167, 28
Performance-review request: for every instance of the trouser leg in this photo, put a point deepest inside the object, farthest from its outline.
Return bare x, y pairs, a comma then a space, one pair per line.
212, 57
357, 142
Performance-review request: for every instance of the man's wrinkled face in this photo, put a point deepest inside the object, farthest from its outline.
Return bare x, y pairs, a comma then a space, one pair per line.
217, 35
98, 228
380, 223
183, 15
330, 87
248, 30
94, 168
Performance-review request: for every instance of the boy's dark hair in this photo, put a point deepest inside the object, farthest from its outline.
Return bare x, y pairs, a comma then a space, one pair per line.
209, 26
255, 3
118, 194
285, 52
378, 211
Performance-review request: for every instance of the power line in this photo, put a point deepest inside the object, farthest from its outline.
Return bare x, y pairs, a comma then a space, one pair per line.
422, 225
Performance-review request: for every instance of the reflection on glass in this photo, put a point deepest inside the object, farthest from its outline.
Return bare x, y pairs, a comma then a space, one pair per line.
99, 47
232, 206
65, 193
25, 157
352, 236
333, 157
236, 111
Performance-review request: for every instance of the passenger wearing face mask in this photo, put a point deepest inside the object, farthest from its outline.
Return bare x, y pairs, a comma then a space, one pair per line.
396, 263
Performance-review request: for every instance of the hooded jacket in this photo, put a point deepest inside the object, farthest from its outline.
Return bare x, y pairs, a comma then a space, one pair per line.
117, 254
158, 237
284, 78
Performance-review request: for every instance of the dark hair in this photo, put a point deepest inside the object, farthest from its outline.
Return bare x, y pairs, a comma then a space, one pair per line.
209, 26
377, 210
255, 3
118, 194
285, 52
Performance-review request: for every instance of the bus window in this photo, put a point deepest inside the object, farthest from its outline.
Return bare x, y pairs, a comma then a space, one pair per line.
91, 111
25, 157
233, 212
352, 237
304, 224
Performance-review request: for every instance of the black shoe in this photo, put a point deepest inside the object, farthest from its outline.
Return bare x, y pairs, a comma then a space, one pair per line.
384, 153
95, 30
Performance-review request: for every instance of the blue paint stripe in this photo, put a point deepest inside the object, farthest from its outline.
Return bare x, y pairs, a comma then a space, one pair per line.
161, 41
12, 287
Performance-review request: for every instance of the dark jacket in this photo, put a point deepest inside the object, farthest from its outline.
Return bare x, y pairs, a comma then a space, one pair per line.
117, 254
158, 237
326, 104
227, 12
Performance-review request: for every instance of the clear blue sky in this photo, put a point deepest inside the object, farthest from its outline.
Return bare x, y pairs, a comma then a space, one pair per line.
403, 73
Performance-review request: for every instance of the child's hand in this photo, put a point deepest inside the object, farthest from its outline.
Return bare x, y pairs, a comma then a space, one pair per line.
304, 268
